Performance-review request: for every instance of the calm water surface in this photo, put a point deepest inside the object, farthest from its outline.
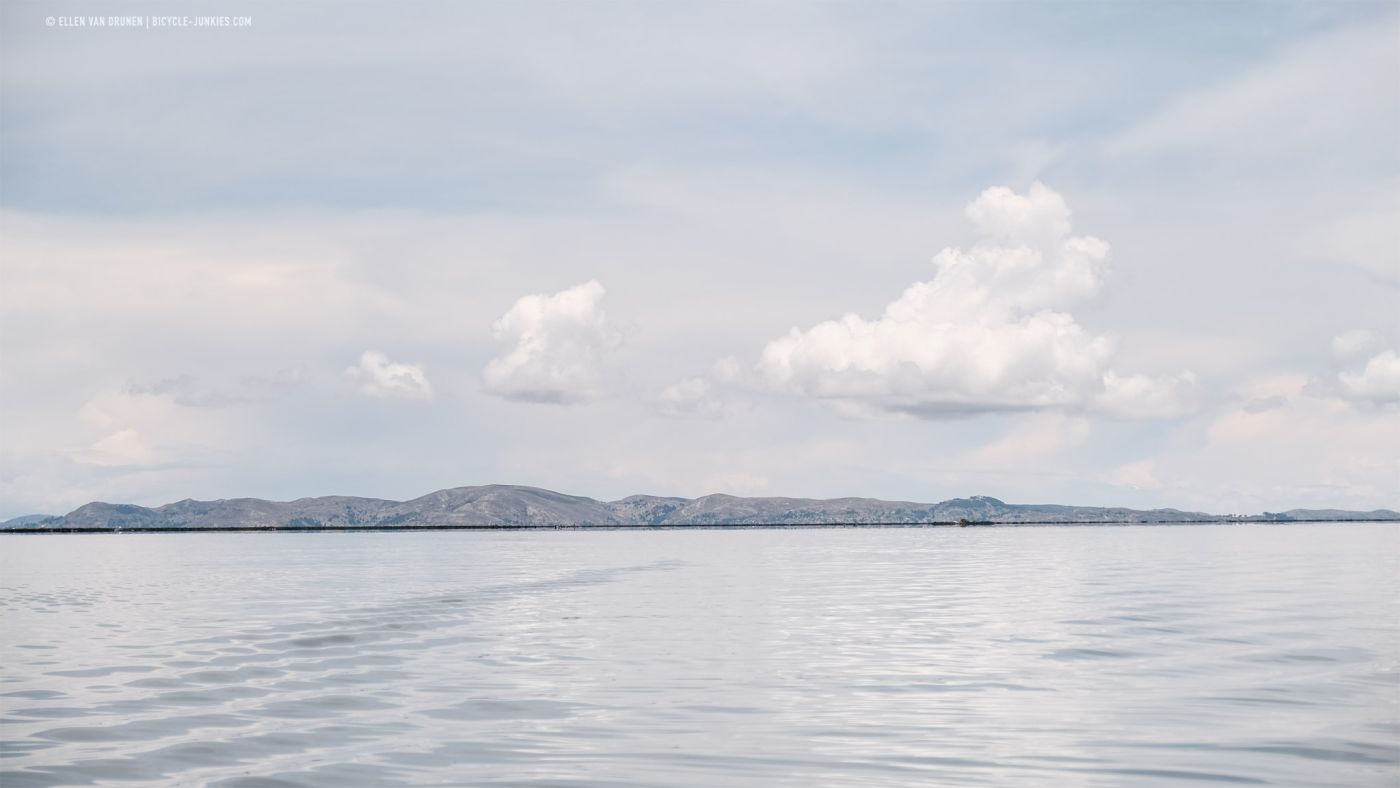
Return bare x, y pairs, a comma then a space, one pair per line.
1031, 656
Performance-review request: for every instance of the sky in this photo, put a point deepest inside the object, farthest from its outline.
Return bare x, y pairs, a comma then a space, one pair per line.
1074, 252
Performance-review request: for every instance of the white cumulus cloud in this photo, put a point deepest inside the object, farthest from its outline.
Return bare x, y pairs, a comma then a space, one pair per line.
1364, 371
556, 348
384, 379
989, 332
1377, 382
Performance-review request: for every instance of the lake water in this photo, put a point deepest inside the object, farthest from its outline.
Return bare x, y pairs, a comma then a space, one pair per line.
845, 657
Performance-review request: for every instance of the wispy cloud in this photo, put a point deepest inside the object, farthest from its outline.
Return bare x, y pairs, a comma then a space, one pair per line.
381, 378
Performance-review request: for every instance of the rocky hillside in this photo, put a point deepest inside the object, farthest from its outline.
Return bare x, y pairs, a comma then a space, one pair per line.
507, 505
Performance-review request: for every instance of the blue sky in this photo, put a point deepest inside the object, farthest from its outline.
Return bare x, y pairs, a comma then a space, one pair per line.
349, 249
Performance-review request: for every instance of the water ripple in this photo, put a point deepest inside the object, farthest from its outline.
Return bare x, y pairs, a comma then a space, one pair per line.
1033, 656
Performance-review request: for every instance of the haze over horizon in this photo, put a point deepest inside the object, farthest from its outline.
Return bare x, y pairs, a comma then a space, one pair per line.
1080, 254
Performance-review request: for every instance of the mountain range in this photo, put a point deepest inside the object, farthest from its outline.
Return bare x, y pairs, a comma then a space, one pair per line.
502, 505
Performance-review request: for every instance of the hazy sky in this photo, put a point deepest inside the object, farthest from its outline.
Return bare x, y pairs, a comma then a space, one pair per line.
1099, 253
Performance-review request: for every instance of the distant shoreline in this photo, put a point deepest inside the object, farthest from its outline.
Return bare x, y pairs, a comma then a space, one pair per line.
704, 527
515, 507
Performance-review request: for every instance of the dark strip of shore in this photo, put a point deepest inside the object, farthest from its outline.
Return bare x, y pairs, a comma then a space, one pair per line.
703, 527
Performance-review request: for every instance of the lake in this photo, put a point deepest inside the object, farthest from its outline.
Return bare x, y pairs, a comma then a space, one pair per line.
1097, 656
